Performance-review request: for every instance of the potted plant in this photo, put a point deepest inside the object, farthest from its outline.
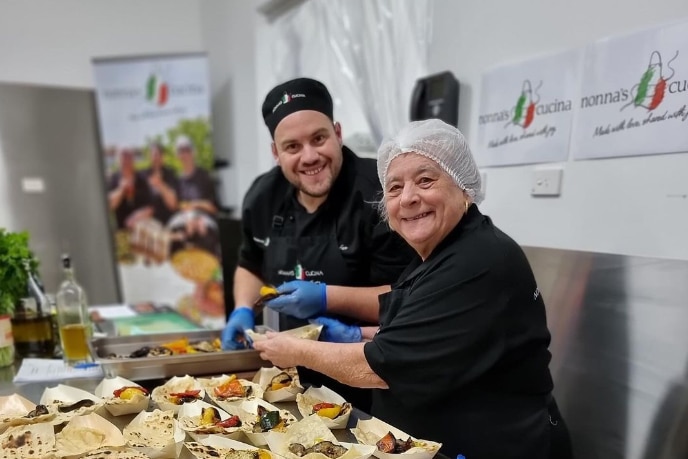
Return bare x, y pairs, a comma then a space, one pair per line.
14, 249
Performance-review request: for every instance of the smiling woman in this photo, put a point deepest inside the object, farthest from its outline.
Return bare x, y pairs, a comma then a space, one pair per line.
463, 336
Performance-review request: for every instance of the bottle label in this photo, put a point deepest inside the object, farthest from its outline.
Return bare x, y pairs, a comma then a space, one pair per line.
6, 331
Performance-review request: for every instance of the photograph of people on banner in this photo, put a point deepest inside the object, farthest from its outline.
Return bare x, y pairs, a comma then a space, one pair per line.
525, 111
634, 95
154, 116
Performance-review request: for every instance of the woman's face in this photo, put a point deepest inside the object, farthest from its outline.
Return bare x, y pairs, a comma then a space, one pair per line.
423, 202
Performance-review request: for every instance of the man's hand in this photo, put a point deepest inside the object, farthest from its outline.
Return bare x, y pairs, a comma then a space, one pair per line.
335, 331
240, 320
280, 349
300, 299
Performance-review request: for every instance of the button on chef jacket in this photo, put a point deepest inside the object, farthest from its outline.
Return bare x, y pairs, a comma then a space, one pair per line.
342, 243
462, 346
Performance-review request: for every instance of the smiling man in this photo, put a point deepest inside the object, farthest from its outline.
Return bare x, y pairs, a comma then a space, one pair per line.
310, 227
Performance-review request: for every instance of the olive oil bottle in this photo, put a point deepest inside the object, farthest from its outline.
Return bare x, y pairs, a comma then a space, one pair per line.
72, 317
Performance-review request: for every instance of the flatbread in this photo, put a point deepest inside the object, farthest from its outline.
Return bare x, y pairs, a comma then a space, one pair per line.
155, 432
111, 453
35, 441
213, 452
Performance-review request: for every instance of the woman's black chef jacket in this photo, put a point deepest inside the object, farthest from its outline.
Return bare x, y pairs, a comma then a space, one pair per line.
342, 243
462, 346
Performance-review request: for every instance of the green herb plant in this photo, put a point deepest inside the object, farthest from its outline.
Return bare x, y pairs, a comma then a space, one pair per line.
14, 249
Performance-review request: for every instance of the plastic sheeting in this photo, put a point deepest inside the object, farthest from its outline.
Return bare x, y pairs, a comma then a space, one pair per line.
368, 53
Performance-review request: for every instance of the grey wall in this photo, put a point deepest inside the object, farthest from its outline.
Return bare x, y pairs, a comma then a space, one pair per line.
50, 133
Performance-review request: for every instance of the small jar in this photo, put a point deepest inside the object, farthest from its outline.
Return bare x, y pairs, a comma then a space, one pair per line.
6, 341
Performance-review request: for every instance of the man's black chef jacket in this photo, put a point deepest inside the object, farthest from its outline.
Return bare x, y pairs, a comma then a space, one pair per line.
462, 346
342, 243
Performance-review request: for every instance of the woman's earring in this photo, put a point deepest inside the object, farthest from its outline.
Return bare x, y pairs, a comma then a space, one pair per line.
467, 206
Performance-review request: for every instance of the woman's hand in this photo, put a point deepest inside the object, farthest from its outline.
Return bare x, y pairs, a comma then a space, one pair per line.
280, 349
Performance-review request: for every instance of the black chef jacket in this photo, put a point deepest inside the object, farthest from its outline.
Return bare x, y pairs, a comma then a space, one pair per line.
462, 346
342, 243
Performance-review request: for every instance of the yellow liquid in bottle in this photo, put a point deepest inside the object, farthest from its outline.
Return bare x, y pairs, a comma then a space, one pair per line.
74, 343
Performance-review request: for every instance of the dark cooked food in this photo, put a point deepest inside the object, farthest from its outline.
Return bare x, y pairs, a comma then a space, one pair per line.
267, 420
40, 410
178, 347
20, 440
327, 448
75, 406
179, 398
280, 381
389, 444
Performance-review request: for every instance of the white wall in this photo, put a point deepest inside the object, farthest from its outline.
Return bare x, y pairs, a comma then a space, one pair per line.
633, 206
52, 42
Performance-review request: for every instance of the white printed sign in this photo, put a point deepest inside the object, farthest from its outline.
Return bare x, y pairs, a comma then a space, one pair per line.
634, 95
526, 111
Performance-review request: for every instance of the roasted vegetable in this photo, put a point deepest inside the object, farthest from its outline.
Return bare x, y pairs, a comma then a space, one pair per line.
280, 381
129, 392
327, 410
38, 411
232, 388
232, 421
210, 416
179, 398
389, 444
75, 406
327, 448
268, 421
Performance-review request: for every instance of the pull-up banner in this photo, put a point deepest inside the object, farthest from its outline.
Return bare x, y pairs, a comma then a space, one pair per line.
154, 116
634, 95
526, 111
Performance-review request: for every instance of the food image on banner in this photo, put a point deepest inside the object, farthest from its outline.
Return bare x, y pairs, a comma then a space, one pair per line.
526, 111
634, 95
154, 116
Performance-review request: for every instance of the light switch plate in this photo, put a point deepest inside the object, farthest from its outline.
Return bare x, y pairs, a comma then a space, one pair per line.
546, 182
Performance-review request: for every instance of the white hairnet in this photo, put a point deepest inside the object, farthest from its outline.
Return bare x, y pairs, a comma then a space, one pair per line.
439, 142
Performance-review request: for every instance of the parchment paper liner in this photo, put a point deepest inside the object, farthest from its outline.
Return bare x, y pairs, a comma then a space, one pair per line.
43, 433
315, 395
189, 420
250, 409
286, 394
175, 385
310, 331
115, 405
54, 397
209, 384
369, 432
79, 436
222, 446
14, 408
309, 431
140, 435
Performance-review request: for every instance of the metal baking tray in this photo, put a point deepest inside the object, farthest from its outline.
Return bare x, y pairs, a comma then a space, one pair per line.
173, 365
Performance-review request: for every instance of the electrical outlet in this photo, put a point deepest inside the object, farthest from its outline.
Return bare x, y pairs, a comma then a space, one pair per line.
546, 182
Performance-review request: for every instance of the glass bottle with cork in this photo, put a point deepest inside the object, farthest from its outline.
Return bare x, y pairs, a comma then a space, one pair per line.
72, 317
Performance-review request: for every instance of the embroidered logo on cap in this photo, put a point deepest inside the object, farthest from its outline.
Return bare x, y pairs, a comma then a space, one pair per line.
286, 98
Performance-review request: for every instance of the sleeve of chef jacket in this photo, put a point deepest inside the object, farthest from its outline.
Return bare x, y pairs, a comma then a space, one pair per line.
446, 334
250, 254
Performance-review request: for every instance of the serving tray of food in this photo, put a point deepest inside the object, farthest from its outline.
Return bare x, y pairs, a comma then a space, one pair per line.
163, 355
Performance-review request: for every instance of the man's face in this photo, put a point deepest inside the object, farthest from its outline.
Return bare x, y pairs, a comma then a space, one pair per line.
308, 149
126, 162
186, 158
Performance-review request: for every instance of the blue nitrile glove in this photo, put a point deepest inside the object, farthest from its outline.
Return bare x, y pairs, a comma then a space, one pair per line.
239, 320
335, 331
300, 299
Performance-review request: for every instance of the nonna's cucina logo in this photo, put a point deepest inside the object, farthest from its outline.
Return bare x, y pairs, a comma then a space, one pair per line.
157, 90
650, 90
